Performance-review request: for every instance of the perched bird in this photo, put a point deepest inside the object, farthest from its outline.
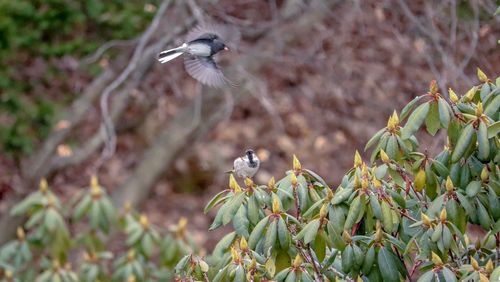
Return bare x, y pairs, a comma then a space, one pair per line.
202, 43
247, 165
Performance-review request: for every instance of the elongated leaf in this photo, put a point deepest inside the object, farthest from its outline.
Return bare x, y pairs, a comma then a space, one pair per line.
232, 208
387, 266
392, 148
463, 143
407, 109
309, 232
415, 121
341, 195
444, 112
241, 222
494, 129
493, 107
217, 199
483, 145
336, 236
257, 232
386, 217
283, 234
353, 213
375, 138
432, 121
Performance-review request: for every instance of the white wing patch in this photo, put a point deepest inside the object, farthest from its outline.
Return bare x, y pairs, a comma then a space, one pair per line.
205, 70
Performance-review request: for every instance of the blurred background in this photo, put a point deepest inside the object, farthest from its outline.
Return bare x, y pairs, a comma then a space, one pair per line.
314, 78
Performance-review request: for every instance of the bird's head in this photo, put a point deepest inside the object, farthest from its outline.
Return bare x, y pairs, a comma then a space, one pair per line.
250, 153
219, 45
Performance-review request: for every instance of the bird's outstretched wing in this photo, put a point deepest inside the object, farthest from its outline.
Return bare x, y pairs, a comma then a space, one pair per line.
228, 34
205, 70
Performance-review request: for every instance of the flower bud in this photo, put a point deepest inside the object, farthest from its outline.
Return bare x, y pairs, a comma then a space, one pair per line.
293, 179
329, 194
346, 237
433, 87
43, 185
297, 261
296, 164
276, 205
436, 259
203, 266
449, 185
481, 76
479, 109
131, 255
235, 255
248, 182
384, 157
443, 215
376, 183
93, 181
453, 96
271, 185
323, 211
357, 159
489, 266
483, 278
426, 220
470, 94
233, 185
474, 264
144, 221
243, 244
485, 174
419, 182
20, 234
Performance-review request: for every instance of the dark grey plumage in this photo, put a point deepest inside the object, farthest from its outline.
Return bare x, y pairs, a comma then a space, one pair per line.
202, 43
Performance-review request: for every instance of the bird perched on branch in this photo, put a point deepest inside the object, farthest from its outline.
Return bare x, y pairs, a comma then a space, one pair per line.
202, 43
247, 165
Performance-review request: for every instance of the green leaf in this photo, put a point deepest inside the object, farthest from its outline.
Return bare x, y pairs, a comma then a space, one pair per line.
463, 143
406, 110
483, 216
448, 275
369, 260
387, 222
375, 138
375, 205
387, 266
427, 277
347, 259
308, 233
82, 207
492, 108
473, 188
241, 222
494, 129
483, 145
95, 214
217, 199
353, 214
147, 245
256, 234
283, 234
319, 246
232, 207
415, 121
432, 121
336, 236
341, 194
52, 219
392, 147
444, 112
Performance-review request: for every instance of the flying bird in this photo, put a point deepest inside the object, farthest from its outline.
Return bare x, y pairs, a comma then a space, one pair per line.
247, 165
201, 44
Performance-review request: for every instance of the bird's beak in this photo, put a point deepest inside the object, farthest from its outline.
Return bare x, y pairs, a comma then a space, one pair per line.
226, 48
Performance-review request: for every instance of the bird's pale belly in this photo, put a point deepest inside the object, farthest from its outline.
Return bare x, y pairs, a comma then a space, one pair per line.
199, 49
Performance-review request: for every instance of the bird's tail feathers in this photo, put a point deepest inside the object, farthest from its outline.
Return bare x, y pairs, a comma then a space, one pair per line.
171, 54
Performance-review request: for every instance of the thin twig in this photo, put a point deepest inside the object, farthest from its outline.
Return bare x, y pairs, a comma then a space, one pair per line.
110, 147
